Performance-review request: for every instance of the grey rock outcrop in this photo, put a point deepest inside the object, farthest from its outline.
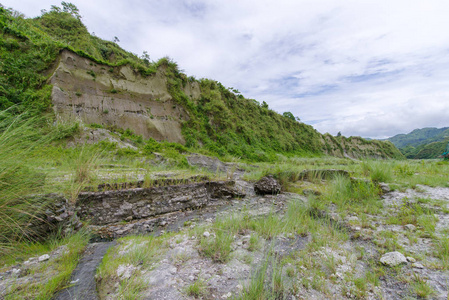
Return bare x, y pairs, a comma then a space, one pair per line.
58, 214
267, 185
108, 207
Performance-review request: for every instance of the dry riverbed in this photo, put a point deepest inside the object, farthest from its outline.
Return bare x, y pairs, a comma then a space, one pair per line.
301, 245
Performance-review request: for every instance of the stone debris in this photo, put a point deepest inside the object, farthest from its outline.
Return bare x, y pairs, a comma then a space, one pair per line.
410, 259
410, 227
44, 258
417, 265
393, 259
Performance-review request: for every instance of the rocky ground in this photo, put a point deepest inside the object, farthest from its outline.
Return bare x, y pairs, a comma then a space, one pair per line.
398, 253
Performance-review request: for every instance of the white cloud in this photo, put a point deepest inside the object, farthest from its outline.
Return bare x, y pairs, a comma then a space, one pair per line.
370, 68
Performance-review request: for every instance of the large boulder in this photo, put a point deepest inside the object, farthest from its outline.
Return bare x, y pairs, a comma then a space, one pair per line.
267, 185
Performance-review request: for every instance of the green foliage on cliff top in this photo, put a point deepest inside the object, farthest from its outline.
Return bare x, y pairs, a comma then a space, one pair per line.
225, 123
28, 47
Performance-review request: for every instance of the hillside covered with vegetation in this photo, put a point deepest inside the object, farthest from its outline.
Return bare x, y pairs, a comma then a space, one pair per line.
422, 143
222, 122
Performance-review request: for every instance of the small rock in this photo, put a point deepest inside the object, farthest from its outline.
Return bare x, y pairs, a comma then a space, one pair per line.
410, 227
191, 278
16, 271
206, 234
239, 287
410, 259
393, 259
353, 218
417, 265
226, 296
357, 228
74, 281
30, 261
43, 258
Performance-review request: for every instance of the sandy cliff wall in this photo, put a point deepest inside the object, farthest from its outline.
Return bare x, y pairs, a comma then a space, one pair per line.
118, 96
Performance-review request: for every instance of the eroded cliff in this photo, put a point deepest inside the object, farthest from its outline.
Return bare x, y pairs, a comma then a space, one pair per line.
118, 97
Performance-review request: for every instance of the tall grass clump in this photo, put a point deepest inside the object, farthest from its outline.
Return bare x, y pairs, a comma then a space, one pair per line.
378, 171
267, 282
24, 142
442, 251
355, 194
18, 139
84, 162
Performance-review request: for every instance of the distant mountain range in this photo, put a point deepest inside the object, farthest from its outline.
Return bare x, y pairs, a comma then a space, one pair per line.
421, 143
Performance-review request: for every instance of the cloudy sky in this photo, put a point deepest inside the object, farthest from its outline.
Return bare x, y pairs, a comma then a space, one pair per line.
366, 68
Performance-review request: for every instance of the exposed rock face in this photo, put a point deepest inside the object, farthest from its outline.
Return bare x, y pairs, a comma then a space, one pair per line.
58, 214
117, 96
95, 135
267, 185
393, 259
108, 207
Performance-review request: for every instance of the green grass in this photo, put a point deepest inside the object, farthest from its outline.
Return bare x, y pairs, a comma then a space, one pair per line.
22, 140
353, 195
218, 248
421, 288
441, 246
266, 283
378, 171
416, 214
197, 289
